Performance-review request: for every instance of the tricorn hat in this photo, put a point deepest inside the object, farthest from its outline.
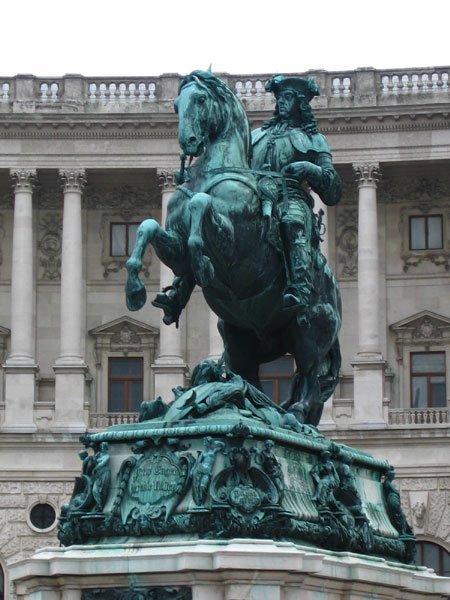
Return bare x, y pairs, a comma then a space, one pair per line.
306, 87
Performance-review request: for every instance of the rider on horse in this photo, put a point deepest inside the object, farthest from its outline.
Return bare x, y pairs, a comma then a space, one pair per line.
290, 144
289, 150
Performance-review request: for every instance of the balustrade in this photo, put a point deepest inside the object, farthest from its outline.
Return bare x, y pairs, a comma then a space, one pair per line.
144, 92
102, 420
122, 91
418, 416
49, 91
413, 81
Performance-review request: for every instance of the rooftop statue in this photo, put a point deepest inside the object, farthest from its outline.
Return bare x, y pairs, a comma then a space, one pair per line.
246, 233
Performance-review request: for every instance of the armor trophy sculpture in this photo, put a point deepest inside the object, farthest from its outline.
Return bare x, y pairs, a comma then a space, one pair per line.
220, 460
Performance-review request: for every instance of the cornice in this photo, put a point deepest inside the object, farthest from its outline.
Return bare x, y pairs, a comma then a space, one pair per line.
162, 125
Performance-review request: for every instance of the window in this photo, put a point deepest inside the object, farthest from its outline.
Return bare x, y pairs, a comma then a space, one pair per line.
433, 556
428, 380
42, 516
2, 584
125, 384
123, 237
425, 232
276, 378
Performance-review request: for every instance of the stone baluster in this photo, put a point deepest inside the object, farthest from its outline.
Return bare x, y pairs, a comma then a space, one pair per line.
368, 365
169, 368
20, 367
70, 368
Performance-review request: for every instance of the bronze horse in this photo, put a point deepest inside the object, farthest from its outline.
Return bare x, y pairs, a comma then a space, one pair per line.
216, 236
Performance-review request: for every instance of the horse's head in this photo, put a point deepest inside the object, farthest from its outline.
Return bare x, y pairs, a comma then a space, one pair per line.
206, 110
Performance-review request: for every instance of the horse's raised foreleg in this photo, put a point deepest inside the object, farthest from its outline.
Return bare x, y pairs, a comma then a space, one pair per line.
201, 265
169, 249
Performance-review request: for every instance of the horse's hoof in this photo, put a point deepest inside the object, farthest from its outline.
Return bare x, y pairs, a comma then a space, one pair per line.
204, 273
136, 295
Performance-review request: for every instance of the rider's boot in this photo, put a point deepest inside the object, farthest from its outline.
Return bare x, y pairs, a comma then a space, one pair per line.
298, 266
173, 298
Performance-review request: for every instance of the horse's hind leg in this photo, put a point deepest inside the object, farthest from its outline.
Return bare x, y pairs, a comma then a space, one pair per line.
201, 264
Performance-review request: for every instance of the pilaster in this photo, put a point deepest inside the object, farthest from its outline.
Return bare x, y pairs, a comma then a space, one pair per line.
20, 367
169, 368
369, 364
70, 368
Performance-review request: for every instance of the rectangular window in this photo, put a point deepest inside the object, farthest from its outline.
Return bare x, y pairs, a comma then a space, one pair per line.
425, 232
276, 378
123, 238
428, 385
125, 384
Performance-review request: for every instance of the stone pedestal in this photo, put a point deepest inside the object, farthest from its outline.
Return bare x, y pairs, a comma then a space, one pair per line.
240, 569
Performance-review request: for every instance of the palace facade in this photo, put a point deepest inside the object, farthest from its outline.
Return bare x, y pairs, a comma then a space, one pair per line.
84, 160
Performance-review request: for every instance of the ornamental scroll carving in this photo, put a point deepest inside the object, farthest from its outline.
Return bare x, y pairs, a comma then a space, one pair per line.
50, 246
347, 243
125, 201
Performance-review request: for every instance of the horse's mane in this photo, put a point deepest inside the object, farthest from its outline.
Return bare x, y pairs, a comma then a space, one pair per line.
233, 113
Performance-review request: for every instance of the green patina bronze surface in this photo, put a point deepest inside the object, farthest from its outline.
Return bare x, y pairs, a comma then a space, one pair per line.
222, 461
244, 230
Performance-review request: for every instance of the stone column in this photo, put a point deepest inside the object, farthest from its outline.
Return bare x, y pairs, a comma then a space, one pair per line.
326, 421
70, 368
20, 367
215, 339
169, 368
368, 365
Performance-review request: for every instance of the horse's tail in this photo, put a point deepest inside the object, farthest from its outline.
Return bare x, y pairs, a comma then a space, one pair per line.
329, 376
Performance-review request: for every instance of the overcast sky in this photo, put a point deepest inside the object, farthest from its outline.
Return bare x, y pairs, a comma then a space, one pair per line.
151, 37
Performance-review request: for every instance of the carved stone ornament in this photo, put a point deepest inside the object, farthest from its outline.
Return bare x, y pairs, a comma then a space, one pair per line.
49, 197
347, 243
23, 179
50, 246
418, 511
125, 201
138, 593
123, 335
426, 193
4, 335
73, 180
167, 180
367, 173
424, 329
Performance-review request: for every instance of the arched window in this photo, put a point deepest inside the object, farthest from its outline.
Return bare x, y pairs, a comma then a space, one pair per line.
433, 556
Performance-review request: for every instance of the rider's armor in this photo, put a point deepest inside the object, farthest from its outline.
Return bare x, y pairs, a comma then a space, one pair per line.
274, 148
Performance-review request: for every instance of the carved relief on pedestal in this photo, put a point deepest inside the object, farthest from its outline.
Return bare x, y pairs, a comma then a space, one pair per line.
347, 242
50, 246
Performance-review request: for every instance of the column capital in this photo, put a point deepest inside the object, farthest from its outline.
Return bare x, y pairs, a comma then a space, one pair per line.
73, 180
167, 180
367, 173
24, 180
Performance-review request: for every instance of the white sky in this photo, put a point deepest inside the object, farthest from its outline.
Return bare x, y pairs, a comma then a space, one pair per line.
151, 37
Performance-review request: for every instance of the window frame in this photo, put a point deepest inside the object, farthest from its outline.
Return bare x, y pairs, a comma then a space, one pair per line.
441, 550
428, 375
127, 380
275, 377
127, 225
426, 218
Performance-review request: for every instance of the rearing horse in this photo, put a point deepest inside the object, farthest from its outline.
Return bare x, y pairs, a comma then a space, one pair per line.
216, 237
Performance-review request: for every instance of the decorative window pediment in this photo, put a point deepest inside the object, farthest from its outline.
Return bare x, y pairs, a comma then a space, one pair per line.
425, 328
124, 335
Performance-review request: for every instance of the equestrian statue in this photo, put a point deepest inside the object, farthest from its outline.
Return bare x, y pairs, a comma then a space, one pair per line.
241, 225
